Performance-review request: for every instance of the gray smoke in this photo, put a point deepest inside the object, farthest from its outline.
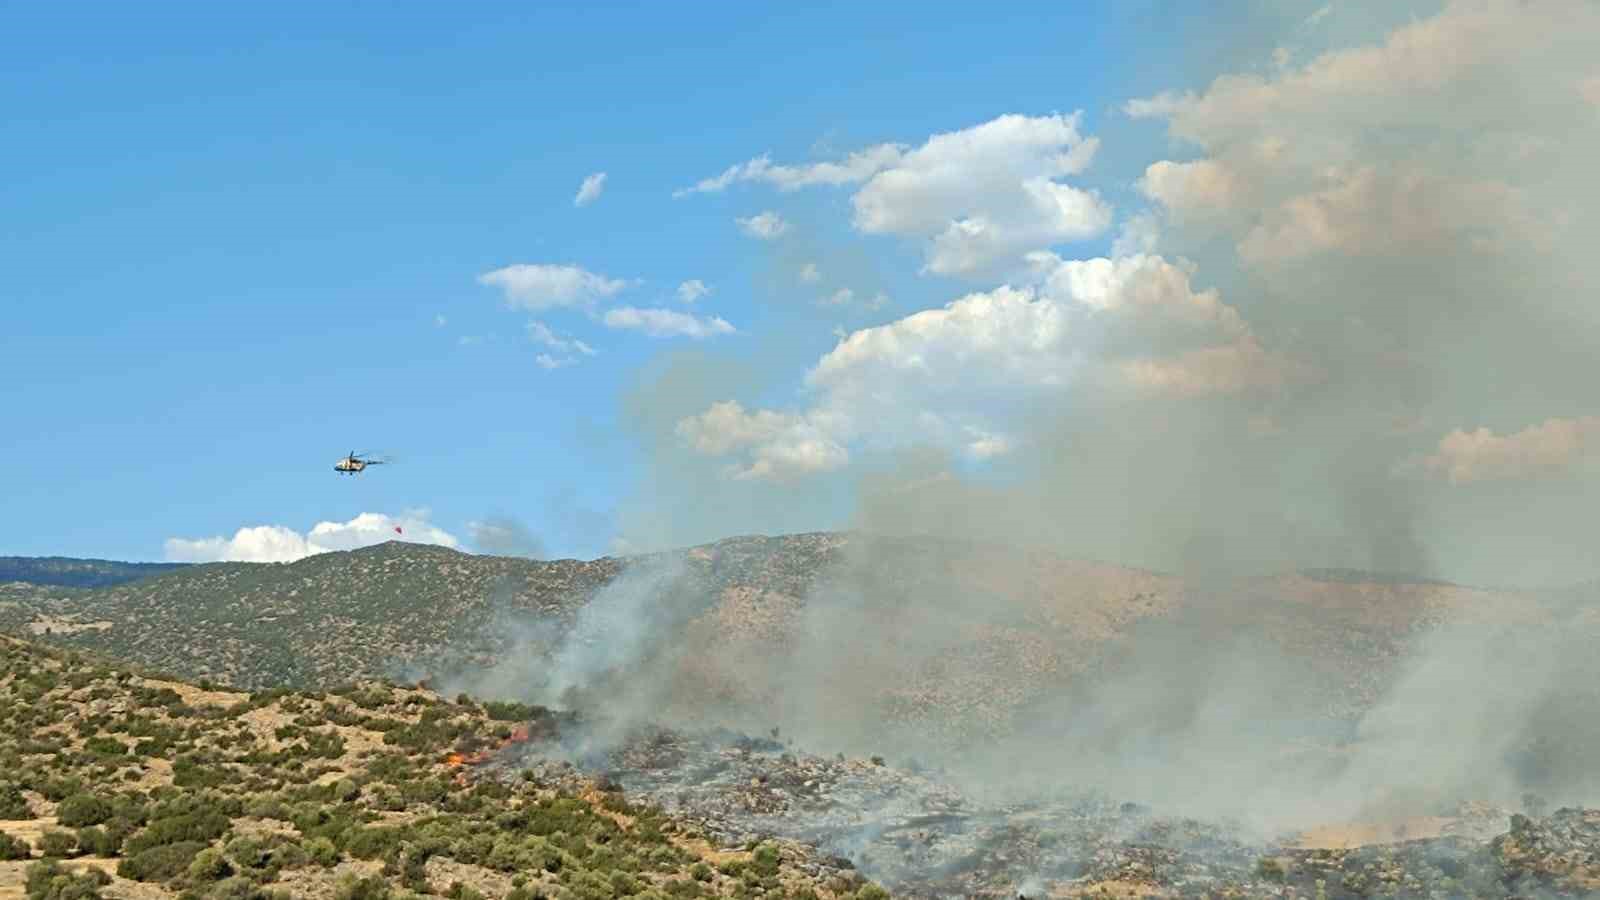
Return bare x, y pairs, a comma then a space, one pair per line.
1404, 386
505, 536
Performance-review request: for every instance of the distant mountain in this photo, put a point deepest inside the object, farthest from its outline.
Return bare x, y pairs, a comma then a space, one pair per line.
64, 571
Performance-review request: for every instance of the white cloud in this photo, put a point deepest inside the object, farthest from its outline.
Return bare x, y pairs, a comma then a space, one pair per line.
692, 290
1321, 13
810, 274
541, 334
945, 375
275, 543
590, 190
839, 297
781, 446
537, 287
1553, 446
765, 226
855, 168
979, 197
988, 193
666, 323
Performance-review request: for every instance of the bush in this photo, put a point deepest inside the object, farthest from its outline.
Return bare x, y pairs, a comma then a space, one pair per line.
765, 860
14, 847
209, 865
105, 746
322, 852
369, 888
57, 844
48, 881
12, 804
372, 842
97, 841
160, 863
83, 809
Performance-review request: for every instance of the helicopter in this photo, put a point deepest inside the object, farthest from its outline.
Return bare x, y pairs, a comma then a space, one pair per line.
353, 464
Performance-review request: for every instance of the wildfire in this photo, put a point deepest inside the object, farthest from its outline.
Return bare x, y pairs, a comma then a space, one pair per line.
456, 759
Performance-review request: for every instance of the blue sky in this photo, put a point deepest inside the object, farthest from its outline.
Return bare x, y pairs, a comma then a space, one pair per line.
1129, 278
231, 230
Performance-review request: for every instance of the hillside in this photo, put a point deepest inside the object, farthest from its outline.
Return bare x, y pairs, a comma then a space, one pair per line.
948, 641
119, 785
64, 571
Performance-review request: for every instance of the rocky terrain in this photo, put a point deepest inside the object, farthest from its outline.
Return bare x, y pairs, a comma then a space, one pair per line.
116, 784
920, 836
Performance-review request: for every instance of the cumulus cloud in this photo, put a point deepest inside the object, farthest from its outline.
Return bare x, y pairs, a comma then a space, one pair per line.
940, 375
1553, 446
663, 323
692, 290
782, 445
590, 190
978, 197
765, 226
839, 297
810, 274
275, 543
537, 287
1308, 162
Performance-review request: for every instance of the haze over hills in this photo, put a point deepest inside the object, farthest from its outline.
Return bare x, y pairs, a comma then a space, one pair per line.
64, 571
1012, 698
977, 656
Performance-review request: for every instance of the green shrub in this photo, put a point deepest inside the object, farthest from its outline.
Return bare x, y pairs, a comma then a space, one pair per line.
322, 852
83, 809
48, 881
57, 844
58, 789
183, 828
765, 860
370, 888
105, 746
97, 841
13, 805
373, 842
12, 847
872, 892
209, 865
160, 863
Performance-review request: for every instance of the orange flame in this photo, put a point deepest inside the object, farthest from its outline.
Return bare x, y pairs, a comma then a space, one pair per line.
454, 760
